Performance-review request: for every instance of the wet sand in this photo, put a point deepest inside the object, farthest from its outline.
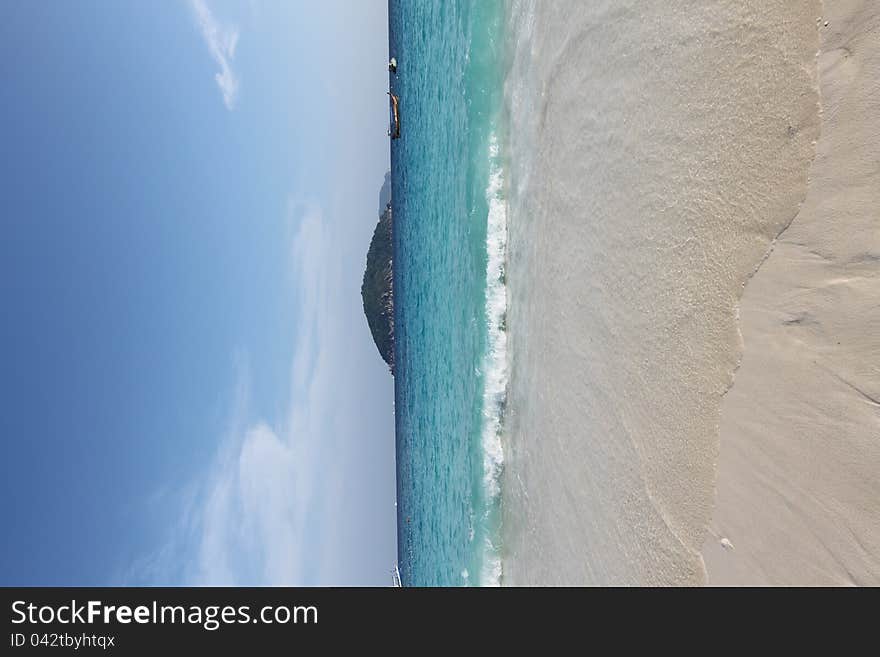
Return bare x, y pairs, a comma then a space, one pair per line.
656, 150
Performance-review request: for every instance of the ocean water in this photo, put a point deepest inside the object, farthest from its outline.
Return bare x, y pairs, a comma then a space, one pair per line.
450, 229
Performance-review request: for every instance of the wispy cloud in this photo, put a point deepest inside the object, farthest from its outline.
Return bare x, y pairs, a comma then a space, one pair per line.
254, 516
221, 42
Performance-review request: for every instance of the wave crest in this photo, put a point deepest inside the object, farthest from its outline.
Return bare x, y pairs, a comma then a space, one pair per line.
495, 370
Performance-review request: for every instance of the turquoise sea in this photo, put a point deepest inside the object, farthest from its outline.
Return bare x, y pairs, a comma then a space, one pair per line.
450, 300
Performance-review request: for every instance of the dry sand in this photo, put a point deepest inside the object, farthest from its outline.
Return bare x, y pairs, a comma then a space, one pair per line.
798, 477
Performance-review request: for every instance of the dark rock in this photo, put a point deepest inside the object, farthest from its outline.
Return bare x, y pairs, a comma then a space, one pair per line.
377, 289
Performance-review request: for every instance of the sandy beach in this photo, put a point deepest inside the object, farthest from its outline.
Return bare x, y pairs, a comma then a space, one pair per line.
683, 407
798, 492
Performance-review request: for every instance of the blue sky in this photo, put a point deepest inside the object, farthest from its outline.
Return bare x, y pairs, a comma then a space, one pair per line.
191, 395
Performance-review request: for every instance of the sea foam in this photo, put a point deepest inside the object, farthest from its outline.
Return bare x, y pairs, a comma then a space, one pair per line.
495, 371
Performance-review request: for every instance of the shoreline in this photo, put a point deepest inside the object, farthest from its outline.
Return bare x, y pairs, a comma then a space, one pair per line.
692, 302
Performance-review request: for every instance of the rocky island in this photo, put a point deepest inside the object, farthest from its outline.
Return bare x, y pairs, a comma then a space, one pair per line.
376, 289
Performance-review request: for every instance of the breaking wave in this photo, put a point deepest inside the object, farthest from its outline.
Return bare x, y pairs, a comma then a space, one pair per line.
495, 370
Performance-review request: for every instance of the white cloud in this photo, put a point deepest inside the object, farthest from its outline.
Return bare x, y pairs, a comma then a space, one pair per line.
250, 528
293, 501
255, 515
261, 490
221, 42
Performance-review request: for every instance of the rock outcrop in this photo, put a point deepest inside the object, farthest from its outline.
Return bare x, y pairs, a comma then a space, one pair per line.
377, 289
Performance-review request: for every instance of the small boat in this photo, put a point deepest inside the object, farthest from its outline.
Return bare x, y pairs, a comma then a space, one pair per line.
394, 131
392, 65
395, 577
